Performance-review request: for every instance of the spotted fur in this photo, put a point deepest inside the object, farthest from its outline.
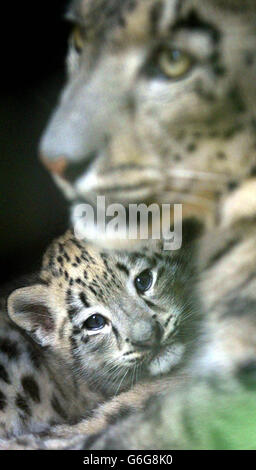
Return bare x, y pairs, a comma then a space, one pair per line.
125, 130
145, 333
38, 388
219, 376
55, 368
151, 139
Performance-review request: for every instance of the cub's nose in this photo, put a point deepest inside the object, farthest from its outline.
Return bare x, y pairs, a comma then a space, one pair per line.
145, 334
57, 167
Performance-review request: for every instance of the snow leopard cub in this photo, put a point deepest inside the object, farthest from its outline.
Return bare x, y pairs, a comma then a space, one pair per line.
94, 324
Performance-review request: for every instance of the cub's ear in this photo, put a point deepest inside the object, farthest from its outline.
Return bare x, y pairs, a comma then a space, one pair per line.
28, 308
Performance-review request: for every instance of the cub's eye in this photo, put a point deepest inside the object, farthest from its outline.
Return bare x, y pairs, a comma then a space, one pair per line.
78, 39
144, 281
174, 63
95, 322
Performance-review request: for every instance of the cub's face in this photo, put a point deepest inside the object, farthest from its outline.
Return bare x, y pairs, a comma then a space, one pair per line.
159, 103
116, 316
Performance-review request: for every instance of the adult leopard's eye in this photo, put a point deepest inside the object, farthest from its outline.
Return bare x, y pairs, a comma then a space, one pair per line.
95, 322
78, 39
144, 281
174, 63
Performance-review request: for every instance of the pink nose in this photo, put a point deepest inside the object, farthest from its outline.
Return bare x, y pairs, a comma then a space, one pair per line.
56, 167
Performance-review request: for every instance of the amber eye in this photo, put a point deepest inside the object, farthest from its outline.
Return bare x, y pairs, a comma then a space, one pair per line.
78, 39
95, 322
144, 281
174, 63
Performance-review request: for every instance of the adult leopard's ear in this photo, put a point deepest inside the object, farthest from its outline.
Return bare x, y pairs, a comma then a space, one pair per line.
28, 308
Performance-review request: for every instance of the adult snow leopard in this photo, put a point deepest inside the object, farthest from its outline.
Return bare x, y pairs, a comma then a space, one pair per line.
159, 104
160, 107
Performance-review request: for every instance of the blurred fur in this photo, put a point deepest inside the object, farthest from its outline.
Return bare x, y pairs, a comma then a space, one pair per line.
190, 141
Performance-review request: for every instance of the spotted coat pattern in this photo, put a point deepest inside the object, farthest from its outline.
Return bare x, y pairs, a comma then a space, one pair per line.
87, 330
191, 141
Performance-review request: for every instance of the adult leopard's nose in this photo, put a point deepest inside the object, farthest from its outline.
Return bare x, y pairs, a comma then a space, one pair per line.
57, 167
69, 170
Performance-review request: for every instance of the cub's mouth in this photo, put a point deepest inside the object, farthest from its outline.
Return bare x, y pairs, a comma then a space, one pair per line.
167, 358
160, 362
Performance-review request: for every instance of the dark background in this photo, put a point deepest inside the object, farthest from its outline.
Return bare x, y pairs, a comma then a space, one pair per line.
32, 210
